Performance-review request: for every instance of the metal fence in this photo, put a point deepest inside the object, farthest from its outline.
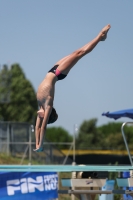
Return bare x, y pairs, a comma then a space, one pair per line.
18, 140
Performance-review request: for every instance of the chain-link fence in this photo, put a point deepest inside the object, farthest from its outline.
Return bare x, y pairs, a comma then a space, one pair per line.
18, 140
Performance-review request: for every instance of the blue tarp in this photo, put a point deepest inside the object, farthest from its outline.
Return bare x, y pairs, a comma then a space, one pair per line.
28, 185
118, 114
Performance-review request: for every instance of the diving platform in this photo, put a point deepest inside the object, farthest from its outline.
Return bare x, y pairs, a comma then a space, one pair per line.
63, 168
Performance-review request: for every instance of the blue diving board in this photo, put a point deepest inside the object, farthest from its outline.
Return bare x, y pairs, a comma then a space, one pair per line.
62, 168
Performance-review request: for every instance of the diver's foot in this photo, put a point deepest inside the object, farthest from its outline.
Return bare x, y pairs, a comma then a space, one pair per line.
103, 33
40, 149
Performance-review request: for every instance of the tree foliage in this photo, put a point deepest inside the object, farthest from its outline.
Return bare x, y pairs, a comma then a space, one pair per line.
5, 85
20, 105
58, 134
107, 136
88, 135
113, 137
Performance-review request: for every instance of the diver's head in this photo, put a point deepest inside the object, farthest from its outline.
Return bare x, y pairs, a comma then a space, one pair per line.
53, 116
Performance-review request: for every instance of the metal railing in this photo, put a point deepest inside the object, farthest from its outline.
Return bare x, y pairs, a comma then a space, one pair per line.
18, 140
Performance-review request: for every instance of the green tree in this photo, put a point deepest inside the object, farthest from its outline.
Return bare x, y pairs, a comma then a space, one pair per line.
107, 136
88, 135
22, 104
110, 128
5, 85
112, 136
58, 134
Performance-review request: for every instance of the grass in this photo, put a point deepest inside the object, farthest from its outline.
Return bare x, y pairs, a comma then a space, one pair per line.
10, 160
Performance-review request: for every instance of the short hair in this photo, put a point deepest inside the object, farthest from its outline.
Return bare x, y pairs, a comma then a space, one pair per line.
53, 116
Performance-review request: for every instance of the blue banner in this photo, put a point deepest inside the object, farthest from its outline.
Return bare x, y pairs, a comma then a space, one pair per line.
28, 185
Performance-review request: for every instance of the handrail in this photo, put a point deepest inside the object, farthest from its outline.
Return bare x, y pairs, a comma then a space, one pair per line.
123, 134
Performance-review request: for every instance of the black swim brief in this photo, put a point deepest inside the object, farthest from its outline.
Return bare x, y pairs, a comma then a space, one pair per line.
59, 75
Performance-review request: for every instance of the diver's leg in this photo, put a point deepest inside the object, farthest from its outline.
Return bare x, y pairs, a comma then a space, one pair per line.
69, 61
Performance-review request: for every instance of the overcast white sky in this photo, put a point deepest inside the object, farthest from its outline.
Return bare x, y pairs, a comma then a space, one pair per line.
37, 33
